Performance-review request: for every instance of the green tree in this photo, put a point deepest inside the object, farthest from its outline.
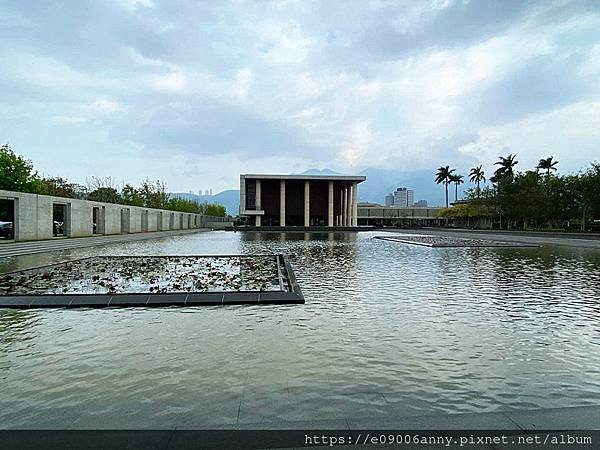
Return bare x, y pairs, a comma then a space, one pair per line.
16, 172
183, 205
59, 187
583, 191
506, 169
105, 194
457, 180
547, 164
132, 196
477, 176
443, 176
212, 209
154, 194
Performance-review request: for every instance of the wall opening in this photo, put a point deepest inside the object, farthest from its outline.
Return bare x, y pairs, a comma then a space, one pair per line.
171, 221
294, 203
7, 219
60, 219
319, 203
180, 221
145, 221
125, 220
98, 217
159, 221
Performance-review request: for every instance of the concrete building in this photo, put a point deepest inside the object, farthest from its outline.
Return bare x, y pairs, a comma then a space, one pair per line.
421, 204
389, 200
37, 217
300, 200
382, 216
403, 197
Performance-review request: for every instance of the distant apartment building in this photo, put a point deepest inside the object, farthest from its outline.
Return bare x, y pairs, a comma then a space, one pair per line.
421, 204
400, 197
389, 200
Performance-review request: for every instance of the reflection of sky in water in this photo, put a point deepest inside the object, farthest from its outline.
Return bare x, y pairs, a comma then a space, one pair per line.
386, 325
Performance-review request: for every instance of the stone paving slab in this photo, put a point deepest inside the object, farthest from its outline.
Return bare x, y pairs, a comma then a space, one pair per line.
485, 421
449, 241
566, 240
579, 418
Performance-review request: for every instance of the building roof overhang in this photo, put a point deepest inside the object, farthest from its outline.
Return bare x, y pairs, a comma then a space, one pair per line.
356, 178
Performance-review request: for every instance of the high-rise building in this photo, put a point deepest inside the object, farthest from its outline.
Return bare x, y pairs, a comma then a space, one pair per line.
389, 200
403, 197
400, 197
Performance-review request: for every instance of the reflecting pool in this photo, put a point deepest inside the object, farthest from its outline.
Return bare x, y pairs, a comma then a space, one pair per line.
387, 329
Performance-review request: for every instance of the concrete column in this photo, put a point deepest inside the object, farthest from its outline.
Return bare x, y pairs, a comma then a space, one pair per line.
307, 203
355, 205
342, 206
282, 203
258, 203
348, 209
330, 206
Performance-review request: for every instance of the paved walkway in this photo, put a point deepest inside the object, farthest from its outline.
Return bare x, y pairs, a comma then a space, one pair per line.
31, 247
540, 238
570, 418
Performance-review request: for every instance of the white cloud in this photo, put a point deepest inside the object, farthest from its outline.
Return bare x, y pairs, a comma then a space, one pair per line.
106, 106
67, 120
298, 76
174, 82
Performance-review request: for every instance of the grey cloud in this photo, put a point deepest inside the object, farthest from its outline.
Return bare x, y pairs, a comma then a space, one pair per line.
543, 83
216, 128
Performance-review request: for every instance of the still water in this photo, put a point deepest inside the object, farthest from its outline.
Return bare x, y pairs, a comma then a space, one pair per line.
387, 329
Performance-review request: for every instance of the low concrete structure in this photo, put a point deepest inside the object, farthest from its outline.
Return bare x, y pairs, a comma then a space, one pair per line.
33, 217
375, 215
300, 200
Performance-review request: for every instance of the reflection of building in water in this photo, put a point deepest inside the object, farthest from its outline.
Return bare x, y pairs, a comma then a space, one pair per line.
300, 200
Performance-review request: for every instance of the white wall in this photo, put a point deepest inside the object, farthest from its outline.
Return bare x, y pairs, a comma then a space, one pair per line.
33, 217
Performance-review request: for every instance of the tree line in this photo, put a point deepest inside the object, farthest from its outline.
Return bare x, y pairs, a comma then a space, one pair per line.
18, 174
536, 198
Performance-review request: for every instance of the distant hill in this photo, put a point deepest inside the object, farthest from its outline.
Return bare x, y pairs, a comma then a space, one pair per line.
319, 172
230, 199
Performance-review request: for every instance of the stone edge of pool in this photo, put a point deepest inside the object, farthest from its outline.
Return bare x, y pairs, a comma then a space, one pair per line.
466, 244
292, 296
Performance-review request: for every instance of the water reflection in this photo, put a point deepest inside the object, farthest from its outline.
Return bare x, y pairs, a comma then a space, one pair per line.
388, 328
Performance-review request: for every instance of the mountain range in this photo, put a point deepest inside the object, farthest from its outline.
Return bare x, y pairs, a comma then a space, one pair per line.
379, 182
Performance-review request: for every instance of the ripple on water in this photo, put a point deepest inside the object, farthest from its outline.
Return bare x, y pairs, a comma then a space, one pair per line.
387, 328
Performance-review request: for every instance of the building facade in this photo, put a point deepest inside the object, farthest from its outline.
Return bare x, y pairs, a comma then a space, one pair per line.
393, 216
299, 200
389, 200
403, 197
37, 217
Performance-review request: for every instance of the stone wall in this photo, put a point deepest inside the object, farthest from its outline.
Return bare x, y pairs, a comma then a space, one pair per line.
33, 217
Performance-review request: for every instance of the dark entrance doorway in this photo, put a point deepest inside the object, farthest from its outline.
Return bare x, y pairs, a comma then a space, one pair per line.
60, 220
7, 219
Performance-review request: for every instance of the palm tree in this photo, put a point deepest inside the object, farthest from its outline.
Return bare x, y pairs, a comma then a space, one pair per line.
547, 164
456, 179
477, 176
506, 168
443, 176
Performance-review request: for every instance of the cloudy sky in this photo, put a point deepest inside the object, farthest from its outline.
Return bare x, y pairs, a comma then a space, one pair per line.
196, 92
